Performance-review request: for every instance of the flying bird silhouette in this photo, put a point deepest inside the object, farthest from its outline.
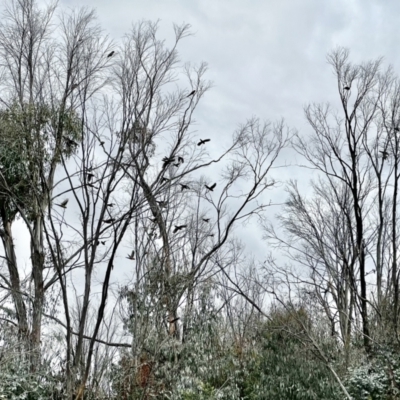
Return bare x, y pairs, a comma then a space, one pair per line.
131, 256
63, 204
181, 160
206, 219
203, 141
384, 153
167, 160
346, 88
176, 165
183, 187
109, 221
110, 205
179, 227
211, 188
111, 54
191, 93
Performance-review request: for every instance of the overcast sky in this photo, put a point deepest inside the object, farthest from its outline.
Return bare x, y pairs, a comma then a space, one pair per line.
265, 58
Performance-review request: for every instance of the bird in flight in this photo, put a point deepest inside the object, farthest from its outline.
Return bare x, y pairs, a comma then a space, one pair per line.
181, 160
167, 160
131, 256
110, 205
211, 188
179, 227
346, 88
111, 54
206, 219
63, 204
384, 153
203, 141
191, 93
184, 187
109, 221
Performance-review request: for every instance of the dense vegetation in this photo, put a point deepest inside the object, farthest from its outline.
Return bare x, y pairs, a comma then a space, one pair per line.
136, 286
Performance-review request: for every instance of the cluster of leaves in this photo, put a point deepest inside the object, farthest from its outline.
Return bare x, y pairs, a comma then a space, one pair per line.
27, 141
18, 383
376, 379
211, 364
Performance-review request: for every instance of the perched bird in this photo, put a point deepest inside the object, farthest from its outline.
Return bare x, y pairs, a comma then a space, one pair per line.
102, 142
211, 188
184, 187
63, 204
384, 153
203, 141
206, 219
191, 93
131, 256
346, 88
69, 142
109, 221
181, 160
111, 54
90, 176
179, 227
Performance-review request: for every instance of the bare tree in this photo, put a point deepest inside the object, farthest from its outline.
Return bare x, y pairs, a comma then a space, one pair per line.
102, 166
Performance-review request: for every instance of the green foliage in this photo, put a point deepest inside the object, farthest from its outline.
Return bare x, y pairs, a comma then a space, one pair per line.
28, 144
17, 383
268, 363
378, 379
